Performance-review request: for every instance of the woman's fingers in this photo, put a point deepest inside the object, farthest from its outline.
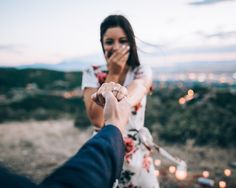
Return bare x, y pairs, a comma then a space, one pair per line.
116, 62
121, 53
122, 93
124, 58
117, 55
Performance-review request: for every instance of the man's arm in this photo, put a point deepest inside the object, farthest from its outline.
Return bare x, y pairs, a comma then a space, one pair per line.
9, 179
97, 164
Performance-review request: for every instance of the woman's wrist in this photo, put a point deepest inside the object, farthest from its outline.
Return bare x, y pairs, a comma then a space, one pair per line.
112, 78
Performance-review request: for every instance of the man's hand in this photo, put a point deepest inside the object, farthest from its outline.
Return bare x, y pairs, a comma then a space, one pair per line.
116, 112
113, 97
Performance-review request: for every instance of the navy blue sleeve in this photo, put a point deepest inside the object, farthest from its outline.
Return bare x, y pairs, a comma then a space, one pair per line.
9, 179
97, 164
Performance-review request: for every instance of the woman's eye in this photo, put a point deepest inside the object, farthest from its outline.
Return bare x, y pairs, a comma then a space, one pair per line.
109, 42
123, 41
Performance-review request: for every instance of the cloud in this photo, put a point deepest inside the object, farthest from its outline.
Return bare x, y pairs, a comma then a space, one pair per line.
6, 47
206, 2
223, 35
9, 48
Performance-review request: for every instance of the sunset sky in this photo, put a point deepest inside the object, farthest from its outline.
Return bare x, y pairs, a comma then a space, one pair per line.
168, 31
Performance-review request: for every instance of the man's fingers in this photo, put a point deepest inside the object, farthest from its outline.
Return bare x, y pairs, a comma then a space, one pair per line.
109, 97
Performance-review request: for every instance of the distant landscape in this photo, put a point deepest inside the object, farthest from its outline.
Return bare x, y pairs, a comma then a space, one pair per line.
207, 117
79, 64
192, 115
40, 94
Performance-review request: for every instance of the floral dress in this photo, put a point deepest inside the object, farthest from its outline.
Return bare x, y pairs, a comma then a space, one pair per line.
138, 168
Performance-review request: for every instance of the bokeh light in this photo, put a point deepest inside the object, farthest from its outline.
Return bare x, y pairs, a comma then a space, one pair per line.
222, 184
157, 173
205, 174
172, 169
227, 172
182, 100
190, 92
157, 162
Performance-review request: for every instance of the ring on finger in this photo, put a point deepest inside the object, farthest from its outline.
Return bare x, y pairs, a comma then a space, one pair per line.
115, 89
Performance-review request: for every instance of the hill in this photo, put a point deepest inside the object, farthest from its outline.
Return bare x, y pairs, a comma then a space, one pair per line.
208, 117
41, 78
40, 94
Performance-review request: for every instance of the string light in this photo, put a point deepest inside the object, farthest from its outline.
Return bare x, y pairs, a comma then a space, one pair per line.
186, 98
157, 162
222, 184
180, 175
190, 92
181, 171
172, 169
182, 100
205, 174
157, 173
227, 172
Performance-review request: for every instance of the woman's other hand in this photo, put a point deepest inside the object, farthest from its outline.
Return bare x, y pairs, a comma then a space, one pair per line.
117, 60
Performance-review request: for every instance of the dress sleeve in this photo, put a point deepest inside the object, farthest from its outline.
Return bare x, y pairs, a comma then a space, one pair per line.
89, 79
143, 71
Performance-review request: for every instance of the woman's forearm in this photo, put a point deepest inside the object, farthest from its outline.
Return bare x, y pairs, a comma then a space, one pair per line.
136, 90
94, 111
96, 115
112, 78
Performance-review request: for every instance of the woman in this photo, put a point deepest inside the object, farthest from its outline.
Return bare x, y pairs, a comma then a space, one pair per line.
123, 67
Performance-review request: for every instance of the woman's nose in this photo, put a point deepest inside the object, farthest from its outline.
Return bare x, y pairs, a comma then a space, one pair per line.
116, 46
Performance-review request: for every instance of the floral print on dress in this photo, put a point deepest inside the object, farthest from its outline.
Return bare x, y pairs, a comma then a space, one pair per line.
129, 148
136, 108
101, 75
138, 168
134, 144
147, 162
151, 90
126, 178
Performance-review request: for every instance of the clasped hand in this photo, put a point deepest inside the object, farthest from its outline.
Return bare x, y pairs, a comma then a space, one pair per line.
117, 90
113, 97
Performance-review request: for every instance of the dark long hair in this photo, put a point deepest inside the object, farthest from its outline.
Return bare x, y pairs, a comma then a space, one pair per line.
122, 22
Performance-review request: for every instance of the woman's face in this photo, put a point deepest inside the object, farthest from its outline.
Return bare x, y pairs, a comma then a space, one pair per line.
113, 39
